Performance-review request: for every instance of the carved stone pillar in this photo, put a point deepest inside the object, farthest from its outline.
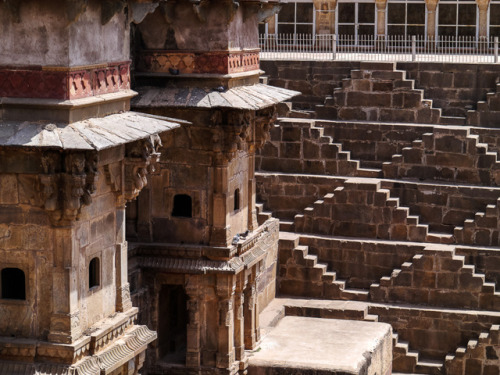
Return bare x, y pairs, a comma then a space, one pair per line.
250, 316
65, 320
271, 25
225, 347
431, 18
483, 17
239, 321
193, 349
325, 16
381, 14
220, 232
252, 213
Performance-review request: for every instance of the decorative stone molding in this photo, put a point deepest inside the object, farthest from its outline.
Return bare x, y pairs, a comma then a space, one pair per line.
222, 62
140, 159
64, 83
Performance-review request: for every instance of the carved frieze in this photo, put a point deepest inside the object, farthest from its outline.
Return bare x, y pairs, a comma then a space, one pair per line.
219, 62
64, 83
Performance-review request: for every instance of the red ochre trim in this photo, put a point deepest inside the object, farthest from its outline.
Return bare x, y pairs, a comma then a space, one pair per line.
198, 62
62, 82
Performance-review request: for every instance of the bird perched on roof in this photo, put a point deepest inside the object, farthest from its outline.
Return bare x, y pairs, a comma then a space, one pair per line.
174, 72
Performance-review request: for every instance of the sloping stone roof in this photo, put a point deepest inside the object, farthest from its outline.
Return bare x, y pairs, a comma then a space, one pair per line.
91, 134
253, 97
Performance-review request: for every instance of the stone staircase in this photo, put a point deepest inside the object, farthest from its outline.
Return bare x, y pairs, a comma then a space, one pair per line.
361, 208
300, 274
299, 146
480, 356
447, 154
437, 277
379, 92
359, 243
487, 113
483, 229
408, 361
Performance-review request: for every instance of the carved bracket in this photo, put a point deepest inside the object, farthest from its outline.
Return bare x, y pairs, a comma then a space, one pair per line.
267, 11
67, 186
264, 120
141, 10
109, 8
232, 134
140, 159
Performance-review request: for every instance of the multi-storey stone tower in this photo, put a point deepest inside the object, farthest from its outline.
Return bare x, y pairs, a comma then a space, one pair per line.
203, 266
72, 156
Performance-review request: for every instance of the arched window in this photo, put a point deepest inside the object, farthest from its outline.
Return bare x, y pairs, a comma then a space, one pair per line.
183, 206
236, 199
94, 273
13, 284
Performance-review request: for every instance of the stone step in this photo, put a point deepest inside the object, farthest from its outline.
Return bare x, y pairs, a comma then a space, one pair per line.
377, 65
370, 172
452, 120
286, 226
301, 114
262, 217
431, 367
355, 294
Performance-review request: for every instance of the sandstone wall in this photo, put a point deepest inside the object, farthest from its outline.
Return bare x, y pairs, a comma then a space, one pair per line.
38, 237
434, 332
454, 88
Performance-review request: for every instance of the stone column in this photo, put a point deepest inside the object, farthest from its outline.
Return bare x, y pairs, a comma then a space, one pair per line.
252, 213
381, 14
225, 347
271, 26
325, 16
123, 301
431, 18
65, 319
220, 231
144, 225
251, 319
483, 17
193, 349
239, 321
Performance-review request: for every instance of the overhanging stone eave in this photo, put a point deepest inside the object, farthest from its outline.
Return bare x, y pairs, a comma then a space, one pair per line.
252, 97
93, 134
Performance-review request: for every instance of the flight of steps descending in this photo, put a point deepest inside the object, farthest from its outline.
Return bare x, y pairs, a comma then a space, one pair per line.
300, 274
413, 240
481, 356
487, 113
447, 154
437, 277
379, 92
299, 146
361, 208
483, 229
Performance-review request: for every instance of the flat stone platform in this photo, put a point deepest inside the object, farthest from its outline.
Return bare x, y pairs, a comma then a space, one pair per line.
299, 345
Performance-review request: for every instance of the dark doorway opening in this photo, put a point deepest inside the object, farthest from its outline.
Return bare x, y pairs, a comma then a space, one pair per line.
172, 324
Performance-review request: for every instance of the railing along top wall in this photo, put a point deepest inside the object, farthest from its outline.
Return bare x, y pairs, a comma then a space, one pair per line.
325, 47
